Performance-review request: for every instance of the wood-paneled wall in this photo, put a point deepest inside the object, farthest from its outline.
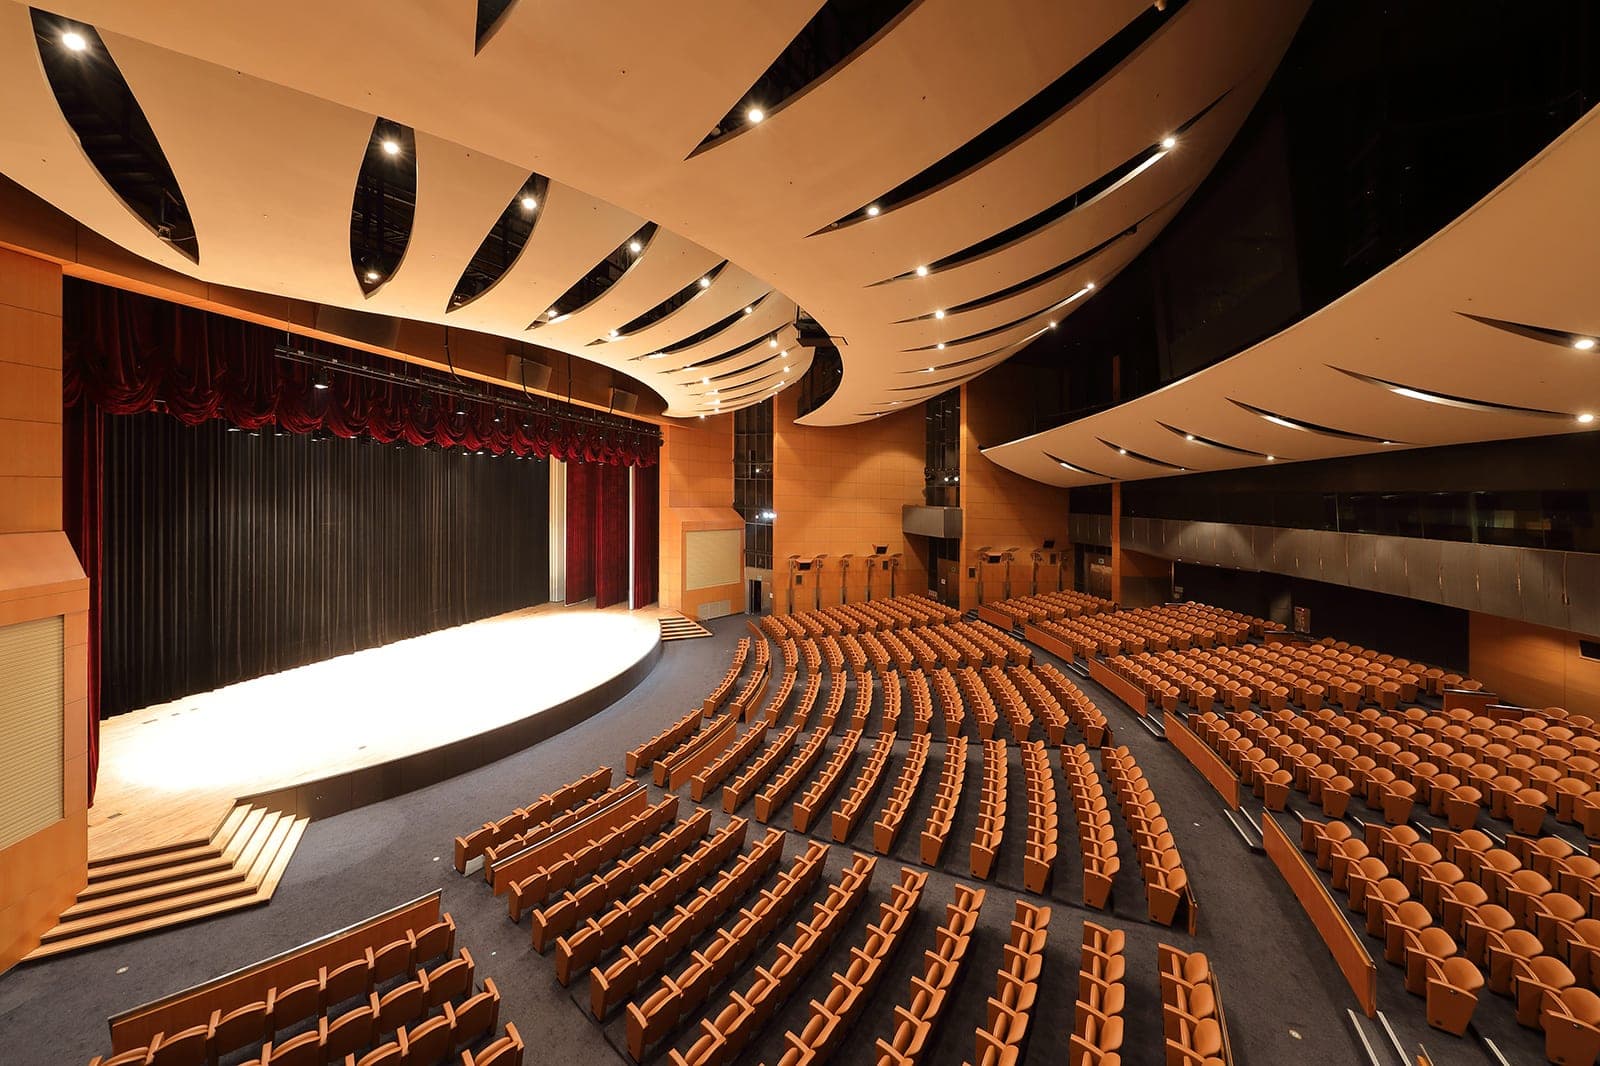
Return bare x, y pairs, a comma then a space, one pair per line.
1534, 666
696, 494
40, 578
839, 490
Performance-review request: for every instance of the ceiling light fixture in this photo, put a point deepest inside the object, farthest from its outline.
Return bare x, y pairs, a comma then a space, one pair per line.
373, 275
391, 146
928, 371
939, 347
939, 313
1122, 451
635, 247
872, 211
553, 312
922, 271
319, 378
705, 283
705, 381
773, 343
784, 353
1052, 323
1585, 418
749, 310
529, 203
755, 114
74, 41
1584, 344
1272, 458
1188, 436
1169, 142
613, 335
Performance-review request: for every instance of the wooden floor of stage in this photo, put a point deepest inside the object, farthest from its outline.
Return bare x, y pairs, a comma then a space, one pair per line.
170, 773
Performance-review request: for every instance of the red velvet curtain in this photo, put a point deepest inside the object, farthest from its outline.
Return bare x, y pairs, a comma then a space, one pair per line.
583, 485
611, 536
83, 456
127, 353
646, 534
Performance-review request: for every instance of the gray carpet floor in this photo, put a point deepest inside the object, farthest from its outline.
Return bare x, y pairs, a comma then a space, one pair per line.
1285, 1000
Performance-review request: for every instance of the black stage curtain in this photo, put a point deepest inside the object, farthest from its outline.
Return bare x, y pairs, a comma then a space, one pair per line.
229, 555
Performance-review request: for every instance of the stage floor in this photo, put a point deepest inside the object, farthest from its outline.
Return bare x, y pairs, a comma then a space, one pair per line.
170, 773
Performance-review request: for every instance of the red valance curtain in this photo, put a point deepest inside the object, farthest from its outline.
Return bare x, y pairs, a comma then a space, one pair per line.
611, 536
583, 485
646, 534
127, 353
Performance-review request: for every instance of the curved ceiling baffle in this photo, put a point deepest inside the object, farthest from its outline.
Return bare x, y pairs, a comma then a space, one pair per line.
1418, 355
627, 93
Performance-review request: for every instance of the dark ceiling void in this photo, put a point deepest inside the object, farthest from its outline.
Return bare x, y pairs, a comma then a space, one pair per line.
1195, 438
1303, 426
763, 345
1043, 108
1059, 305
112, 129
836, 33
666, 307
1143, 458
503, 243
1103, 186
1076, 469
775, 357
605, 274
1582, 342
491, 15
384, 205
1445, 399
712, 330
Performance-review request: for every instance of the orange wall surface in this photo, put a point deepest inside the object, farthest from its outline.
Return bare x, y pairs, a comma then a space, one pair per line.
840, 489
1004, 510
40, 578
1533, 666
696, 494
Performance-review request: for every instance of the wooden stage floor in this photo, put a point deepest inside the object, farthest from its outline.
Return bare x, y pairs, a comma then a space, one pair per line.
170, 773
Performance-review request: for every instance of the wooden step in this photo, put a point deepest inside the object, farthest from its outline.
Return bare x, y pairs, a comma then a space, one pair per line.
141, 864
259, 843
145, 855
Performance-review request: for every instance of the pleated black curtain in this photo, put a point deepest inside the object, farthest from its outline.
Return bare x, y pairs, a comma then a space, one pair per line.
229, 555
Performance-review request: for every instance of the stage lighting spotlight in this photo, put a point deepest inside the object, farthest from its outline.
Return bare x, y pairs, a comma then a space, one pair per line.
319, 379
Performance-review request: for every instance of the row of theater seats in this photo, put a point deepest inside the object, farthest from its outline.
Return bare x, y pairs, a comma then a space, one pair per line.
932, 990
854, 805
1040, 847
1155, 629
573, 859
992, 801
942, 815
809, 807
724, 688
411, 1000
1048, 606
1191, 1010
641, 757
1097, 1022
1460, 913
495, 834
975, 697
901, 612
1458, 765
830, 1018
726, 1033
611, 985
1097, 841
654, 893
887, 828
652, 1017
1008, 698
998, 1042
1166, 882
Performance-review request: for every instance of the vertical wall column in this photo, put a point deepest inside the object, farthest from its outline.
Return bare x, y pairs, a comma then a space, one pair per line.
697, 497
43, 868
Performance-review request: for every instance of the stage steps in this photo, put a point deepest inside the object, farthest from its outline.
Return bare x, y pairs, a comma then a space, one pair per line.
678, 627
140, 892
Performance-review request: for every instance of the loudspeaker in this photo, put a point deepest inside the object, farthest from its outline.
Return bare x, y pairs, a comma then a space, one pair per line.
520, 371
363, 326
623, 401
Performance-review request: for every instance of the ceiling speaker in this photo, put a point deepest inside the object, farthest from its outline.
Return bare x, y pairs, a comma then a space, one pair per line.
520, 371
364, 327
624, 401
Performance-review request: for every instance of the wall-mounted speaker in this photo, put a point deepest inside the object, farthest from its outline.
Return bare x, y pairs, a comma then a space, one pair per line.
362, 326
520, 371
624, 402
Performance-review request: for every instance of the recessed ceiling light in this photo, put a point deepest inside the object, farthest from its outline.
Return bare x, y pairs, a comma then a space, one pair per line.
373, 275
922, 271
391, 146
714, 392
658, 355
785, 370
939, 346
872, 211
939, 313
1122, 451
635, 247
928, 371
552, 312
1586, 418
705, 381
74, 41
1272, 458
1169, 143
1188, 436
784, 353
1052, 323
1088, 285
702, 418
529, 203
773, 343
749, 310
1584, 344
613, 335
705, 283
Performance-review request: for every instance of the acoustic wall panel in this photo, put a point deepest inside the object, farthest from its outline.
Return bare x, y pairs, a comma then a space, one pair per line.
30, 722
712, 557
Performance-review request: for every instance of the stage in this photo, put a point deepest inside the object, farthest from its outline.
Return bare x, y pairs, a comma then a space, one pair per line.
358, 728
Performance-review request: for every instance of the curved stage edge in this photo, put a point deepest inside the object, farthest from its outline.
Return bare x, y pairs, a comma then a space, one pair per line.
337, 793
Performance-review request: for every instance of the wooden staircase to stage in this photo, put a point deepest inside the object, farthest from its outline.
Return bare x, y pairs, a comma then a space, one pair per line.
139, 892
680, 627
